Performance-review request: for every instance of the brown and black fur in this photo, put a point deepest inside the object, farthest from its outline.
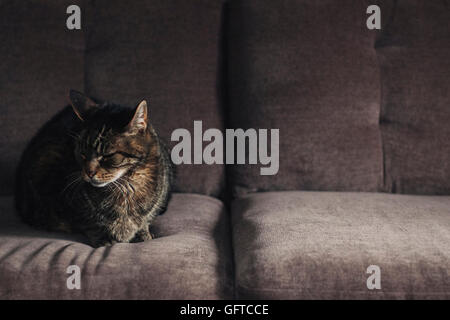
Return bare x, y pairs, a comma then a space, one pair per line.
61, 174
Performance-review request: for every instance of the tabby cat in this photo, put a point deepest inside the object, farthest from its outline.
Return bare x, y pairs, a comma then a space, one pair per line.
95, 168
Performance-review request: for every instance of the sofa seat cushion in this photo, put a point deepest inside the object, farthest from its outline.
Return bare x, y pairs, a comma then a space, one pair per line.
318, 245
189, 259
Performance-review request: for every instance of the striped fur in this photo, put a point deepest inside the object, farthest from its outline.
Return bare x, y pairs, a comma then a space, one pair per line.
53, 190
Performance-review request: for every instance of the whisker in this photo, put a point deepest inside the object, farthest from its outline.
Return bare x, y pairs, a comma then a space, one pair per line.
77, 179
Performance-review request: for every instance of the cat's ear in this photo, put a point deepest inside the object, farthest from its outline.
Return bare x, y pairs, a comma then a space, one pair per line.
81, 104
139, 121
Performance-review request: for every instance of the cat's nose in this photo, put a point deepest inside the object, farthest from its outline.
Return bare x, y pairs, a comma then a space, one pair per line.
90, 173
90, 168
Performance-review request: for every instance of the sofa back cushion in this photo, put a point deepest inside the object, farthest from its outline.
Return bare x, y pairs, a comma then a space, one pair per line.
40, 61
310, 69
165, 51
414, 53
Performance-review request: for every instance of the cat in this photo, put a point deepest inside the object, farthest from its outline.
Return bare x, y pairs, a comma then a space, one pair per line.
95, 168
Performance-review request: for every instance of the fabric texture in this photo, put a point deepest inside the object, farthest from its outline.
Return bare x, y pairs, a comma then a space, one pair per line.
165, 51
318, 245
310, 69
189, 259
40, 60
414, 50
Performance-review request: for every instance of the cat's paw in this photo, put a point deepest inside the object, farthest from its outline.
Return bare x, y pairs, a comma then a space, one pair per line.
142, 235
102, 243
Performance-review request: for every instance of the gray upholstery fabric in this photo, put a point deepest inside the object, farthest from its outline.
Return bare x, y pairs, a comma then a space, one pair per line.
190, 259
40, 60
318, 245
414, 50
308, 68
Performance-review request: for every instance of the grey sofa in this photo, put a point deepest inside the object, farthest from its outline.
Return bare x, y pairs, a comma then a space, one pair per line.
364, 175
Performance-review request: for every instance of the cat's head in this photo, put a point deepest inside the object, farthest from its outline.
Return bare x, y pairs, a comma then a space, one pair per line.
112, 141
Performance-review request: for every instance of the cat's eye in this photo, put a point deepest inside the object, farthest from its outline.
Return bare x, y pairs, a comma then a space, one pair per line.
112, 159
108, 155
